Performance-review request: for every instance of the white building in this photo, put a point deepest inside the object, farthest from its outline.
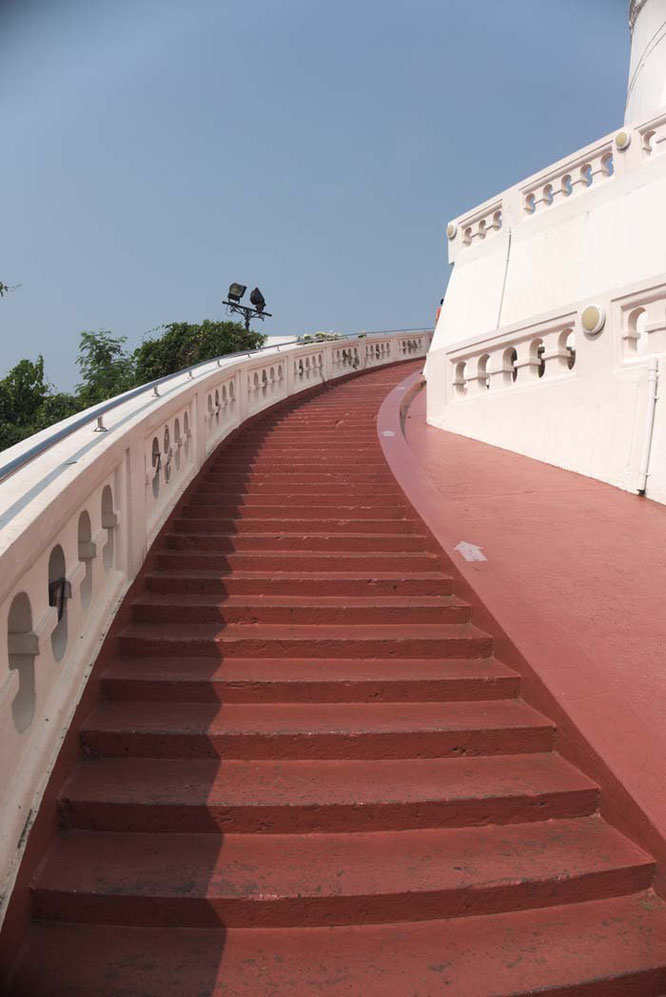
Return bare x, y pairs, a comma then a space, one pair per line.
552, 338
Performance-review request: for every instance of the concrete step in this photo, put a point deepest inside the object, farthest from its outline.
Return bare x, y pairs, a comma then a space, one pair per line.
278, 561
307, 680
334, 879
328, 541
307, 583
438, 641
300, 797
329, 731
293, 525
598, 948
156, 607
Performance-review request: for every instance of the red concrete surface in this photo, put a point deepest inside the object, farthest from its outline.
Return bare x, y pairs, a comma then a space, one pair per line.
305, 770
575, 576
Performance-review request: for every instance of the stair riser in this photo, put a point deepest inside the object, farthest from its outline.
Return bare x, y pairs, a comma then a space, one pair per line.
288, 491
206, 505
273, 462
298, 479
416, 744
326, 819
300, 615
216, 524
299, 586
444, 691
297, 562
265, 542
325, 647
139, 909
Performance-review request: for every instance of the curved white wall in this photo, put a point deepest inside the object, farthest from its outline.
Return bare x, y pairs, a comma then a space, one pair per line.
646, 94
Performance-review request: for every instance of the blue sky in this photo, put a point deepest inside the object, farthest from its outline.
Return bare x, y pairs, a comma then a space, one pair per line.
152, 151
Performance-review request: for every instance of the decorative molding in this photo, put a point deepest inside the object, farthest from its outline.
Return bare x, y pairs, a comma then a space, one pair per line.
635, 8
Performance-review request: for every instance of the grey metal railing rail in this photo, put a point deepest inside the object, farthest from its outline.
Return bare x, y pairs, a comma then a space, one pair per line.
97, 412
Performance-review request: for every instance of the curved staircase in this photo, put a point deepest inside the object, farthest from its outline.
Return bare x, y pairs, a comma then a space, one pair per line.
310, 776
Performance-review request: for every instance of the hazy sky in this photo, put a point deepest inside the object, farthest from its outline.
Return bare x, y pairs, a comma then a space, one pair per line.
152, 151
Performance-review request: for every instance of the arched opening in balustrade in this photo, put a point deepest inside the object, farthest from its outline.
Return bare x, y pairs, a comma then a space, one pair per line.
530, 204
586, 174
567, 343
608, 164
22, 645
167, 455
567, 185
156, 462
460, 379
648, 142
108, 524
178, 443
637, 344
467, 235
86, 556
481, 232
548, 194
537, 350
482, 371
217, 407
497, 219
58, 588
509, 361
186, 434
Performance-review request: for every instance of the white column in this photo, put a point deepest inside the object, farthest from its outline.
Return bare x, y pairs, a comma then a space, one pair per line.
646, 96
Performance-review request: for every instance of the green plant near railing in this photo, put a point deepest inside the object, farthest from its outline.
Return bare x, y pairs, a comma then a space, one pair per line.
320, 337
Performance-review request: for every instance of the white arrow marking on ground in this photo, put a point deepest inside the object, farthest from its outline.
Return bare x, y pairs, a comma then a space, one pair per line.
470, 552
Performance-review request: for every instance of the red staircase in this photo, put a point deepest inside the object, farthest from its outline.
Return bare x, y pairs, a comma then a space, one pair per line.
310, 776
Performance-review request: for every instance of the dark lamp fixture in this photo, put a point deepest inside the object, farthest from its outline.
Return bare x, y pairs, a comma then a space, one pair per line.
236, 291
258, 300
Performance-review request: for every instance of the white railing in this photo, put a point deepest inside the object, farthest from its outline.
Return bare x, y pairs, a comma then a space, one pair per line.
571, 388
621, 153
81, 503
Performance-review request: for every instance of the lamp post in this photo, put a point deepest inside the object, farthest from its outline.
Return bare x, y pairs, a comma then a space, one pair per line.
258, 302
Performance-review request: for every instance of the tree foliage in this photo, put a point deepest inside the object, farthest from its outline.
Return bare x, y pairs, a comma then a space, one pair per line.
183, 344
28, 403
106, 368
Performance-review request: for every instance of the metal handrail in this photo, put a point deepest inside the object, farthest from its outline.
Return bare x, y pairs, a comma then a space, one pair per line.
97, 412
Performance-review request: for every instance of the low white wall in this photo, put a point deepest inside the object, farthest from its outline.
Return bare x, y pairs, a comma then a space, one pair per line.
88, 509
586, 231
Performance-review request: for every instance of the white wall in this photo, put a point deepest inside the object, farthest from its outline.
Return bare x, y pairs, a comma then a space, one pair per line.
588, 230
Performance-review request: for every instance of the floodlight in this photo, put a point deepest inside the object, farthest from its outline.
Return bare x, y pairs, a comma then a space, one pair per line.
236, 291
258, 300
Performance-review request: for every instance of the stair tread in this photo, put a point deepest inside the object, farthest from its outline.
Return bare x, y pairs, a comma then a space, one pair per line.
300, 601
203, 782
344, 719
306, 669
315, 576
322, 632
266, 867
617, 943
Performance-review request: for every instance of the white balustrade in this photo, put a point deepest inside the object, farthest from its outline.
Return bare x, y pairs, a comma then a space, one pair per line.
77, 521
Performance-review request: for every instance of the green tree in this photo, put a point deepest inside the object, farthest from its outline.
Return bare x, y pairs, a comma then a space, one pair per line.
184, 344
22, 391
106, 368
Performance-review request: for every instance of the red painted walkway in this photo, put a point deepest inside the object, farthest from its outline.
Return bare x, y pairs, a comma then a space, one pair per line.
308, 773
